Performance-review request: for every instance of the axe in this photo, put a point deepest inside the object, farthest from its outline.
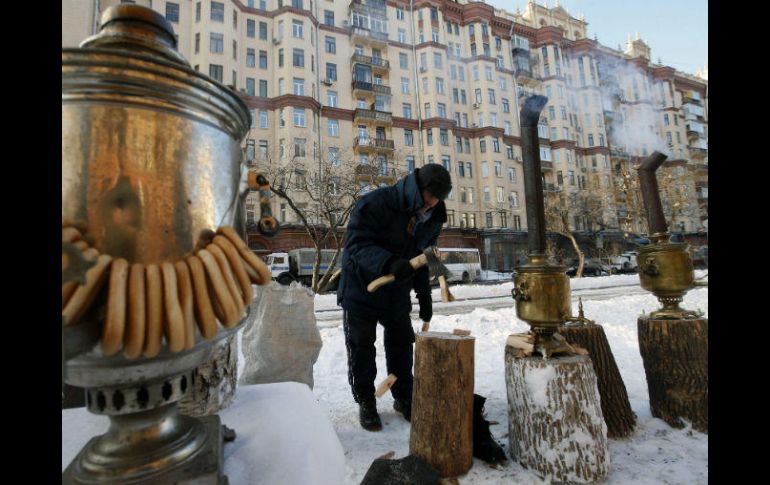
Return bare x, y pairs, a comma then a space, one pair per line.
429, 256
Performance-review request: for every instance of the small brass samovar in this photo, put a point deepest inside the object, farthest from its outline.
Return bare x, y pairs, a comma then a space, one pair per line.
665, 268
541, 290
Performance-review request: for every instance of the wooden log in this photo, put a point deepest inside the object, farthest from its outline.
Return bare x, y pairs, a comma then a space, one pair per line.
616, 407
556, 428
214, 381
442, 402
675, 356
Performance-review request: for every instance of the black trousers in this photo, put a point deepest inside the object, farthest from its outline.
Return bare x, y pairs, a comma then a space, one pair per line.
360, 334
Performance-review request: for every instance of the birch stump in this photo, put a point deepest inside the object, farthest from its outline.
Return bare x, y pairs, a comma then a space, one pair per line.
214, 381
616, 408
675, 356
556, 428
442, 402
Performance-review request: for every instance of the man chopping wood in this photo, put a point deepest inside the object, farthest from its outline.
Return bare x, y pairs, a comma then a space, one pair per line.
387, 228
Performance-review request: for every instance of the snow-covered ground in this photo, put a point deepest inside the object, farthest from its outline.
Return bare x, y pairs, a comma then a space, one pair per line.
654, 454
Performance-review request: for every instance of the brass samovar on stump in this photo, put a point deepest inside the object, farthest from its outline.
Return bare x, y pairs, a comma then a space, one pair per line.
552, 388
673, 341
151, 159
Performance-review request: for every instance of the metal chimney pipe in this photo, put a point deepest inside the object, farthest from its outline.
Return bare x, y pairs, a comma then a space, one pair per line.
648, 184
533, 178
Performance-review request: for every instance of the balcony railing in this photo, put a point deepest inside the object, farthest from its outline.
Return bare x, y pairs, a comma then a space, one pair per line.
546, 165
373, 61
368, 34
372, 115
547, 187
375, 88
377, 7
370, 170
369, 142
690, 100
698, 152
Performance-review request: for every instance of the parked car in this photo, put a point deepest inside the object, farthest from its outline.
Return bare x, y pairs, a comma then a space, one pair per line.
700, 257
591, 267
624, 263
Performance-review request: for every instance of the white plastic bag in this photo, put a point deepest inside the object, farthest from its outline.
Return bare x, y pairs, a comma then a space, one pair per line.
282, 342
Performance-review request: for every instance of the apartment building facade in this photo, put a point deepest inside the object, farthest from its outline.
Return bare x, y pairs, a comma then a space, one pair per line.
395, 84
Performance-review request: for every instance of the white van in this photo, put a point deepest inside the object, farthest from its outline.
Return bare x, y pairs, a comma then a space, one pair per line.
463, 263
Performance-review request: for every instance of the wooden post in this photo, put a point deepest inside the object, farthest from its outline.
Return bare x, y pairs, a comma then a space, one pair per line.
616, 408
675, 356
556, 428
214, 381
442, 404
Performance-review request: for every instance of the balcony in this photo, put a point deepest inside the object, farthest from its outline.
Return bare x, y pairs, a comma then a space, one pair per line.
365, 35
549, 187
698, 153
375, 173
375, 8
374, 143
377, 63
546, 165
370, 88
690, 100
370, 115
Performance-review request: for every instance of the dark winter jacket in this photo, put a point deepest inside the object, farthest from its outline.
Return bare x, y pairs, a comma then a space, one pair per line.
377, 233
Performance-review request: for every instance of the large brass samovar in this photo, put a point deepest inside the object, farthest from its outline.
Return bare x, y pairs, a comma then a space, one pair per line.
151, 157
541, 290
665, 268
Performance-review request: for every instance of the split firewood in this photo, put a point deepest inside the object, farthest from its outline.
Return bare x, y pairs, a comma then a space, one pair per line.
461, 332
385, 385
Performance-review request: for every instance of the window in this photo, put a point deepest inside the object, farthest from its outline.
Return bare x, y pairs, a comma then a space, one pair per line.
405, 85
331, 45
250, 150
399, 14
443, 136
328, 17
262, 119
263, 59
440, 85
601, 140
217, 12
172, 12
406, 110
250, 86
403, 60
430, 136
487, 199
478, 95
250, 58
331, 71
408, 137
509, 151
334, 156
488, 72
425, 85
410, 164
334, 127
297, 29
482, 145
441, 110
554, 133
427, 110
198, 12
298, 59
564, 113
498, 169
484, 169
665, 119
262, 88
299, 143
263, 149
263, 30
216, 43
299, 86
590, 140
235, 50
197, 42
446, 163
437, 60
493, 119
512, 174
507, 128
461, 169
331, 99
491, 95
506, 106
215, 72
514, 199
434, 35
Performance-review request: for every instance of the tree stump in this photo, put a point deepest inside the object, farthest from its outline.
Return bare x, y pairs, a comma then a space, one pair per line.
442, 402
675, 356
616, 408
556, 428
214, 381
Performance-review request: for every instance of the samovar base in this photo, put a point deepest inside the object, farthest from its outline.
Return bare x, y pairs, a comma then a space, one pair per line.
672, 311
204, 466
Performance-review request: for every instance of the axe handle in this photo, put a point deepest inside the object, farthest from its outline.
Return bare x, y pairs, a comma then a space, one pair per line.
446, 295
416, 262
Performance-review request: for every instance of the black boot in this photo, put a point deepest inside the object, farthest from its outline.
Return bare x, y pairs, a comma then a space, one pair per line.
368, 416
484, 446
404, 407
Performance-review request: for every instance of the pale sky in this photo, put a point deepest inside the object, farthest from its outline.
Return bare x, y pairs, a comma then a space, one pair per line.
675, 30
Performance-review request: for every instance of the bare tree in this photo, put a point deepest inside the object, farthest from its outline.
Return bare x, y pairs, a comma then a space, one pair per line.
557, 214
322, 195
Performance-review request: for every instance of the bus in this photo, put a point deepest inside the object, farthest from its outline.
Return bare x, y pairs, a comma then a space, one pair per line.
463, 263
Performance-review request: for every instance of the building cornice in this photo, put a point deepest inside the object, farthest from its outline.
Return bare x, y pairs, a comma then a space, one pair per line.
549, 34
558, 144
338, 113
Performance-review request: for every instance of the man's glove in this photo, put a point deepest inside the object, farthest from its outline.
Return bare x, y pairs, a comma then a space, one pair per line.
426, 307
400, 268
